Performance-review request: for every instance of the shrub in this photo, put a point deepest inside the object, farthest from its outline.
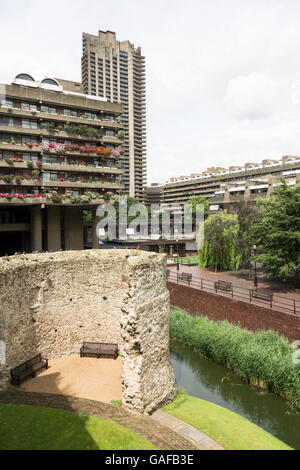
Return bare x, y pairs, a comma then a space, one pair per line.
261, 357
29, 164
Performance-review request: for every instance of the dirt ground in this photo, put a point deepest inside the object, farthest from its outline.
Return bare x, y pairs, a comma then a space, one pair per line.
91, 378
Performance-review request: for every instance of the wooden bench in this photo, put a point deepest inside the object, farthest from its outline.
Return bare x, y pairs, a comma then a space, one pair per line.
262, 295
223, 285
184, 277
27, 369
99, 349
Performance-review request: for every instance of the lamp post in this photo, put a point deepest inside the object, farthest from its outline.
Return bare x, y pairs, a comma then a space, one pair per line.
177, 249
255, 271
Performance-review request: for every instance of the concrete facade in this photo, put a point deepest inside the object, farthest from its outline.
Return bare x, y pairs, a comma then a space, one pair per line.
223, 187
51, 303
58, 147
116, 71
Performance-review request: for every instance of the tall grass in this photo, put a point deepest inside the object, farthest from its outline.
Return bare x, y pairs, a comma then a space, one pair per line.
263, 358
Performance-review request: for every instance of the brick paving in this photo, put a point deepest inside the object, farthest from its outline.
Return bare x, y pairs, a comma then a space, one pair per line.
160, 435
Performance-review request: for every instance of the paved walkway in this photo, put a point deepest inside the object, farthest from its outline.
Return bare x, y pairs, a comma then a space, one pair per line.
200, 440
162, 434
283, 301
241, 278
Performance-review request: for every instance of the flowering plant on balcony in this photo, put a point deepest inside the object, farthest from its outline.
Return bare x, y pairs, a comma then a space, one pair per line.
20, 160
116, 153
30, 144
39, 163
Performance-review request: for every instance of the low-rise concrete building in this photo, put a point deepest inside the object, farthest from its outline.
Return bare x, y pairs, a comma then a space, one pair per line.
223, 187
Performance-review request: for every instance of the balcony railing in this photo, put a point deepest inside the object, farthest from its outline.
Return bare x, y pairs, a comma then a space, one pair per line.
15, 111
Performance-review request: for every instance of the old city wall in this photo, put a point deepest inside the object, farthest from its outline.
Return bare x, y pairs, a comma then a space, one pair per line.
51, 303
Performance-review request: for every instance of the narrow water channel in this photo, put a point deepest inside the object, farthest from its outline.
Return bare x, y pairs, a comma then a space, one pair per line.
205, 379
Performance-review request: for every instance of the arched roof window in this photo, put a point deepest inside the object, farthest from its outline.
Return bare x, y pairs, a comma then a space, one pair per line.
24, 76
50, 81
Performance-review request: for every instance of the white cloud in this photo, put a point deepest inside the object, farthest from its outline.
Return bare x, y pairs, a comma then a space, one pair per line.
253, 96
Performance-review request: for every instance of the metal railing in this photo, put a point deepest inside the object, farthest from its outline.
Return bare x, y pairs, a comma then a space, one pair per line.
259, 297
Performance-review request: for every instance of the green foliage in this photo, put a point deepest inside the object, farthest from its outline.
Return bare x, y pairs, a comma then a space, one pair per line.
87, 216
56, 198
198, 200
29, 164
219, 249
83, 129
7, 178
278, 232
117, 403
262, 357
247, 217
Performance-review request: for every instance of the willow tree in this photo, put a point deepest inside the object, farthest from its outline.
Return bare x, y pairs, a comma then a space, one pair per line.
220, 236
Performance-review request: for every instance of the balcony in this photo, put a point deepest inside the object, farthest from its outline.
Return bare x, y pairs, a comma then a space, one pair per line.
31, 201
58, 134
81, 168
77, 184
40, 115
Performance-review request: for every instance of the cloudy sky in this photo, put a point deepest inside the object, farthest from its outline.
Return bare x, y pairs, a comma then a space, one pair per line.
223, 76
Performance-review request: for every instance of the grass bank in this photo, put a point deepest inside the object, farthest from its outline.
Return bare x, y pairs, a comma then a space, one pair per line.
38, 428
262, 358
231, 431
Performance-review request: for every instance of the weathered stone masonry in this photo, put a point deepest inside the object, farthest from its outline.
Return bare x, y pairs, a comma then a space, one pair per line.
51, 303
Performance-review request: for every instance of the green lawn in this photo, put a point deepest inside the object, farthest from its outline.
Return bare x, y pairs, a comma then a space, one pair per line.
38, 428
230, 430
189, 259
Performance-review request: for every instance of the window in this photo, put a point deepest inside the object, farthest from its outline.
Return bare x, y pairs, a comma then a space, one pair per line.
109, 133
5, 121
28, 107
7, 103
49, 81
47, 109
24, 76
26, 139
26, 124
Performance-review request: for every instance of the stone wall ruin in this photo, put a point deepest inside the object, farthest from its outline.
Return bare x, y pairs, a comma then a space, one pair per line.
50, 303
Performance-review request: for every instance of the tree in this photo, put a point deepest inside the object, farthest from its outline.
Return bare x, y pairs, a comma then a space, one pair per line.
197, 200
219, 249
278, 232
247, 217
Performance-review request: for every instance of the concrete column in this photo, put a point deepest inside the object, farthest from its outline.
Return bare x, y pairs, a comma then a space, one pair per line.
74, 228
36, 229
94, 227
53, 228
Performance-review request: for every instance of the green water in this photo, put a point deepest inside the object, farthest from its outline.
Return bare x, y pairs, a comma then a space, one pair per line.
205, 379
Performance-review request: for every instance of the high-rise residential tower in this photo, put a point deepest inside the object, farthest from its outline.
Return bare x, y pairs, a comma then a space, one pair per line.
116, 71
